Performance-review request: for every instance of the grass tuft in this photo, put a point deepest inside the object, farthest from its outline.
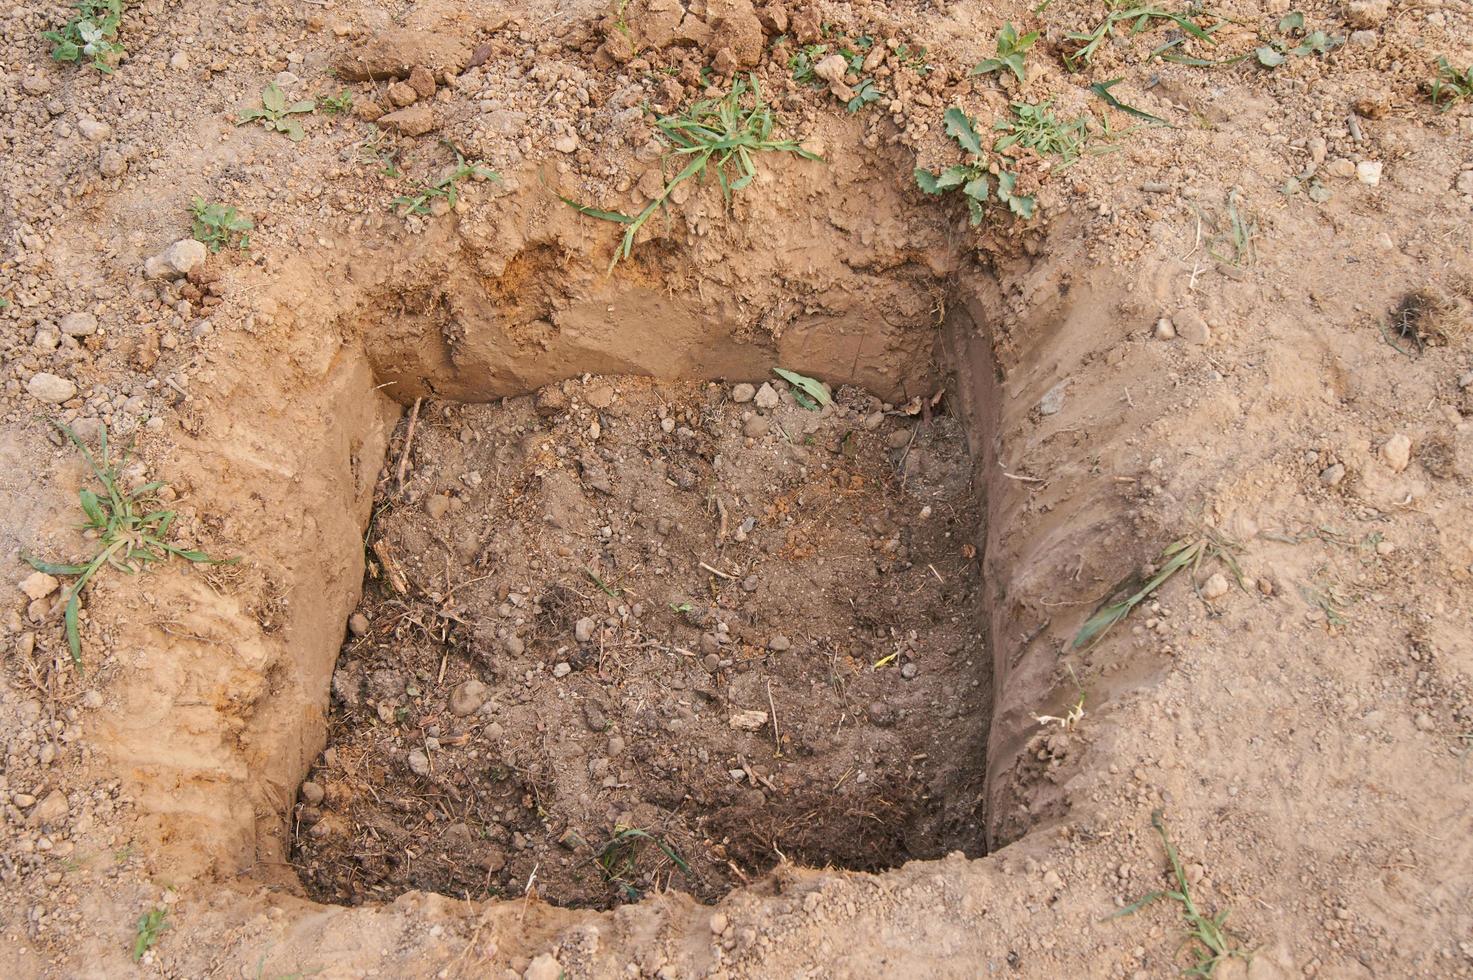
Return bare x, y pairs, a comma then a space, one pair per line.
444, 188
617, 857
1450, 86
150, 924
714, 135
1184, 553
132, 533
1212, 943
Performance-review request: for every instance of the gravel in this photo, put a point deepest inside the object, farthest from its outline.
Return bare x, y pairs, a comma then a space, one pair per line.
50, 388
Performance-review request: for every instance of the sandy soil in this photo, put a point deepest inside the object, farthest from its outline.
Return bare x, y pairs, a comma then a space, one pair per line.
1248, 331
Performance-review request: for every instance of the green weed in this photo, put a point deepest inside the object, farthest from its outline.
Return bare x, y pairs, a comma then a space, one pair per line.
220, 225
1450, 86
974, 178
150, 924
442, 188
1291, 27
1011, 50
276, 115
335, 105
1036, 128
617, 858
808, 392
92, 34
1207, 934
722, 135
1141, 19
804, 60
130, 530
1186, 552
1102, 90
864, 93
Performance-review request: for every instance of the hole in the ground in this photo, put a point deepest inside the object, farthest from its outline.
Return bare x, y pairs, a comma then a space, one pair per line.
625, 634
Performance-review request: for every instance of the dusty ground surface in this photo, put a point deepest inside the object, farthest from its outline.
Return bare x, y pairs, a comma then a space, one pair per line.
552, 682
1305, 734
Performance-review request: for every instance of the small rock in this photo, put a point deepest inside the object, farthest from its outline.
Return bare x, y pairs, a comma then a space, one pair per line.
311, 793
419, 762
743, 393
179, 61
436, 505
36, 85
358, 624
1340, 167
909, 671
50, 388
1165, 329
1368, 172
1191, 327
544, 967
767, 397
1424, 723
717, 923
39, 585
594, 717
178, 259
748, 721
566, 143
756, 427
1397, 452
1384, 548
78, 324
415, 120
422, 80
53, 809
1215, 587
111, 163
778, 643
402, 95
467, 698
599, 396
562, 670
1365, 14
550, 400
1053, 399
1052, 881
832, 68
1332, 475
94, 131
584, 628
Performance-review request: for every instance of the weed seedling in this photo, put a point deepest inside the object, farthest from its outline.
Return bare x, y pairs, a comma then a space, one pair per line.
1142, 19
1291, 27
276, 115
92, 34
973, 178
864, 93
150, 924
335, 105
1207, 934
722, 135
131, 531
1450, 86
444, 188
1187, 552
804, 60
220, 225
808, 392
1036, 128
617, 857
1011, 49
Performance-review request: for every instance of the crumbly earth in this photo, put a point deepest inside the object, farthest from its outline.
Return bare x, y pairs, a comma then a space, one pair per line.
540, 681
1250, 328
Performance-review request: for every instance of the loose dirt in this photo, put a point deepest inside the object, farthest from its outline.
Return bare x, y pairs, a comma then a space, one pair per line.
543, 695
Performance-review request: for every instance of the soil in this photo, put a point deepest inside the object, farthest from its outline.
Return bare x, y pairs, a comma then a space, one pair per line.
1250, 330
746, 629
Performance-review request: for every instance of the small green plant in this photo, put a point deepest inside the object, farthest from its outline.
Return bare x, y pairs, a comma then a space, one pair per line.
220, 225
335, 105
617, 858
1036, 128
92, 34
443, 188
1102, 90
864, 93
1011, 49
808, 392
1291, 27
150, 924
276, 115
1178, 555
974, 178
722, 135
1212, 943
1141, 19
131, 531
1450, 86
913, 58
804, 60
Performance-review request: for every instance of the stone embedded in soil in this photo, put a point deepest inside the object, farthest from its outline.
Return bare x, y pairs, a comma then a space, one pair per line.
178, 259
39, 585
436, 505
1332, 475
1366, 14
1053, 399
544, 967
562, 669
78, 324
748, 721
1397, 452
778, 643
51, 810
50, 388
396, 54
415, 120
550, 400
756, 427
1192, 327
1215, 587
1368, 172
767, 397
311, 793
1165, 329
467, 698
402, 94
583, 629
419, 762
358, 624
743, 393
